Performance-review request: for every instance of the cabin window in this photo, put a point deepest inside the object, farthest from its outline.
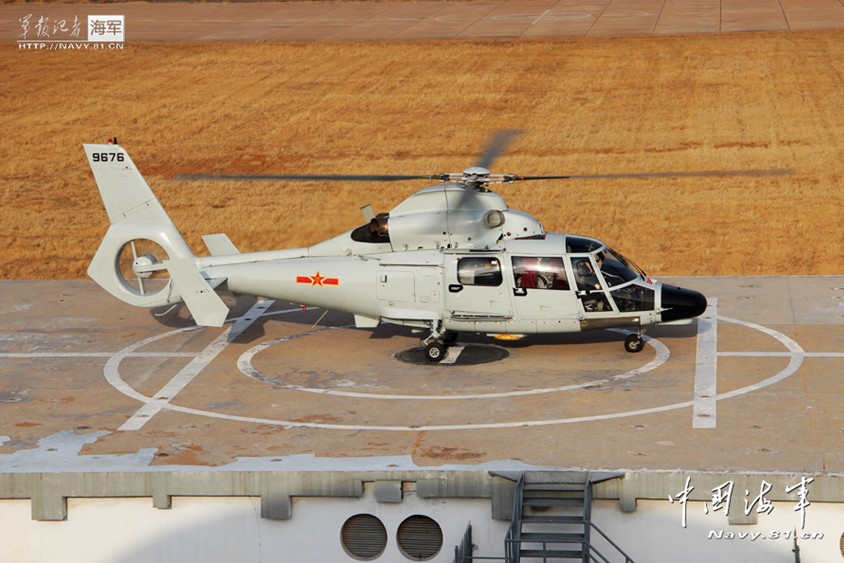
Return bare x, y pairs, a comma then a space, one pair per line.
539, 272
479, 271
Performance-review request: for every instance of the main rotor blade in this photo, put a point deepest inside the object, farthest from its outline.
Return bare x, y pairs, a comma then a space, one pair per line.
497, 145
306, 177
692, 174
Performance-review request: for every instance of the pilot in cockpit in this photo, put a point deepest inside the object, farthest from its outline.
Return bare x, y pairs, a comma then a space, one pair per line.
585, 275
610, 275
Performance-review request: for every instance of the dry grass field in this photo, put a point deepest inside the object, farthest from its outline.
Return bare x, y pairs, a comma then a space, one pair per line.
651, 104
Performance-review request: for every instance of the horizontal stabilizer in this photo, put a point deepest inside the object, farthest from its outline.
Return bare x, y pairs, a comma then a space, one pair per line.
203, 303
366, 322
219, 245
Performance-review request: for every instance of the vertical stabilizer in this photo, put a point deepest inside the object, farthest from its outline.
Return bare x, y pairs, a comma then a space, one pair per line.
143, 259
125, 193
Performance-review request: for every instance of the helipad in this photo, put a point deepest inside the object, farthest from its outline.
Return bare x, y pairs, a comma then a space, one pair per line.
753, 385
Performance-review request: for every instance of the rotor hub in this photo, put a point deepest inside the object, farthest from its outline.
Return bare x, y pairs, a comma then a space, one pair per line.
142, 265
476, 172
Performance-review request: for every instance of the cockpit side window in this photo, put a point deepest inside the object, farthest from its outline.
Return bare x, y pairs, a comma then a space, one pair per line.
584, 274
532, 272
589, 289
479, 271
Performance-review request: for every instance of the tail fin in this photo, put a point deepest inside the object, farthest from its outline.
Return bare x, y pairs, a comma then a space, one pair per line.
126, 195
143, 259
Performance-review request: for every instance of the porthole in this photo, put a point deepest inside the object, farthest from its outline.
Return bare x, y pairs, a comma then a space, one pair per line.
420, 538
364, 537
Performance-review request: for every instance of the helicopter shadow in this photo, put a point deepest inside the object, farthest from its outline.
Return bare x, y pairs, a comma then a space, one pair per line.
563, 340
178, 316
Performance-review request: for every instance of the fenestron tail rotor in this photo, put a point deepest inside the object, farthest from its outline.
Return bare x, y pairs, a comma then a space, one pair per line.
140, 265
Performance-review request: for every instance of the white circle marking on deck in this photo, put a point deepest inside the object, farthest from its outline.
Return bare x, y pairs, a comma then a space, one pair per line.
796, 355
244, 364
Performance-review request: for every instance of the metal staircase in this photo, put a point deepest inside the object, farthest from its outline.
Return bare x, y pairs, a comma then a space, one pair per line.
552, 521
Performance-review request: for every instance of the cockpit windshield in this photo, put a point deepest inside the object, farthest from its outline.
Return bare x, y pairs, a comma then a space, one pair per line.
617, 269
630, 264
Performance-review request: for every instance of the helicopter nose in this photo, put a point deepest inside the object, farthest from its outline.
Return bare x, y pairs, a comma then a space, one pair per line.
679, 304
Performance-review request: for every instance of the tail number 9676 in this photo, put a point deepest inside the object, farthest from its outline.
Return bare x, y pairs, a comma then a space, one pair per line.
108, 157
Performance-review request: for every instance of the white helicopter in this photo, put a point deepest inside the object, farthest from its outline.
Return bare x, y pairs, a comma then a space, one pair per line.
451, 258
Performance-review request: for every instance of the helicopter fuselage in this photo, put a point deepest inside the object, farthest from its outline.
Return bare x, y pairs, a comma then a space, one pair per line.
546, 284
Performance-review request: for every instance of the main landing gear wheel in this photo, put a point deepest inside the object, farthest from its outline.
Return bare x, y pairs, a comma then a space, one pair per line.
634, 343
435, 352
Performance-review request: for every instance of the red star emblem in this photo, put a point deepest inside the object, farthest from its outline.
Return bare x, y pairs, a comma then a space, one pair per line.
318, 279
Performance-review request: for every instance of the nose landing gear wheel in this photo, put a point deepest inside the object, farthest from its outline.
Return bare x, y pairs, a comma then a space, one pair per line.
435, 352
634, 343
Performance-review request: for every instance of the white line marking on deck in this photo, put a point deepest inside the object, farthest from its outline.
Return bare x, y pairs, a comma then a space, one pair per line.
796, 354
56, 355
244, 364
95, 355
706, 368
782, 354
539, 19
196, 365
452, 353
796, 359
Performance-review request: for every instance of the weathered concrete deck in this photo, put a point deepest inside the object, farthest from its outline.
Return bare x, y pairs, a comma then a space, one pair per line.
87, 383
